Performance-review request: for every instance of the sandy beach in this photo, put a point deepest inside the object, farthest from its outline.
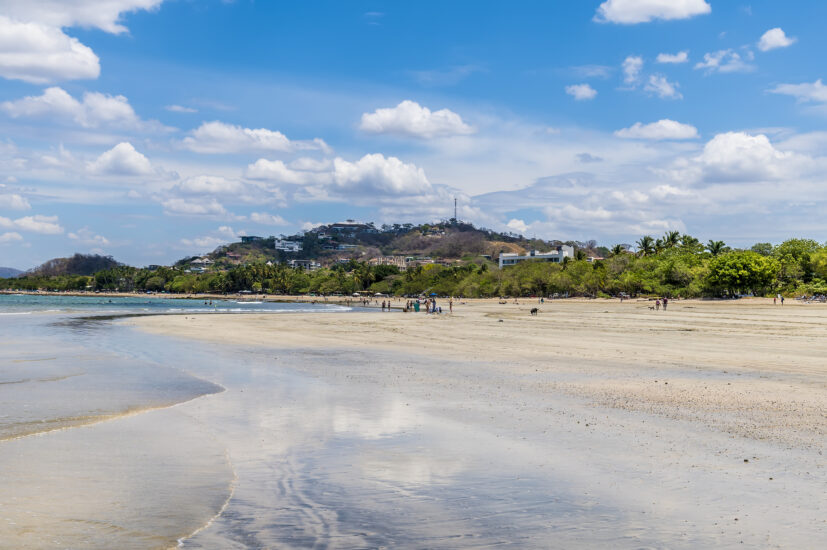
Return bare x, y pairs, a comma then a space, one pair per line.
709, 419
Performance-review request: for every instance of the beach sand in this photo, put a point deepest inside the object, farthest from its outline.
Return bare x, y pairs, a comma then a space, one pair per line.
704, 424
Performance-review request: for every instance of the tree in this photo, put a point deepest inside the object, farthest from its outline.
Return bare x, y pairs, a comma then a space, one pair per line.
765, 249
646, 246
715, 247
671, 239
617, 250
742, 271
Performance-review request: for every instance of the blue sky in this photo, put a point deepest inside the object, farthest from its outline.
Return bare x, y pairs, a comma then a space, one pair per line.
154, 129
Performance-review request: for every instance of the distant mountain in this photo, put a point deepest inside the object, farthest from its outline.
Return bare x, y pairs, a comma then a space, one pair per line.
9, 272
79, 264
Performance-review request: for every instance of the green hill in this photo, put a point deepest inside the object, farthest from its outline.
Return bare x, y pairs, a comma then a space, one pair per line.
79, 264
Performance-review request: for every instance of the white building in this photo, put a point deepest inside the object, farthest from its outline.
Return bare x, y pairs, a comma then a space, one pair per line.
288, 246
555, 256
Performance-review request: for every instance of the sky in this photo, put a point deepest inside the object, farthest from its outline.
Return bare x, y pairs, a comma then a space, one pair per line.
151, 130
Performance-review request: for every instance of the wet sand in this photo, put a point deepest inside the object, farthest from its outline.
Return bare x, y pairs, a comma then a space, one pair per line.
592, 424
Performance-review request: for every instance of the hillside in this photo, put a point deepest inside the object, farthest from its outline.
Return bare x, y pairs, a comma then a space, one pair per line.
79, 264
330, 243
9, 272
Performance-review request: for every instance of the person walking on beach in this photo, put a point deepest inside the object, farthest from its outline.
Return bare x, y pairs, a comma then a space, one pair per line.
774, 300
782, 300
665, 302
657, 305
451, 305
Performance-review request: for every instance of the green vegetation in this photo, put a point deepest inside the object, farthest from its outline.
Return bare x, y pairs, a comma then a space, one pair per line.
674, 265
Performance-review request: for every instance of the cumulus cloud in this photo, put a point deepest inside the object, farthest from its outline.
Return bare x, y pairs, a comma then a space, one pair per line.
121, 160
380, 175
517, 225
264, 218
88, 237
588, 158
218, 137
10, 237
773, 39
632, 66
105, 16
738, 156
409, 118
95, 110
804, 92
276, 170
676, 58
193, 207
40, 54
14, 202
658, 85
45, 225
581, 92
34, 48
629, 12
660, 130
724, 61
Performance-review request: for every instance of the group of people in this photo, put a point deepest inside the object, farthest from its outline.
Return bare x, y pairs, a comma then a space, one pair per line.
777, 298
659, 302
429, 304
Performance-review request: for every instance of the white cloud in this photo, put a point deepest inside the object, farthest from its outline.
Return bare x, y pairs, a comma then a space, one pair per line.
46, 225
517, 225
94, 111
276, 170
660, 130
738, 156
375, 174
310, 164
193, 207
10, 237
40, 54
773, 39
264, 218
14, 202
180, 109
661, 87
664, 192
103, 15
581, 92
209, 185
724, 61
409, 118
629, 12
680, 57
121, 160
632, 66
804, 92
218, 137
87, 237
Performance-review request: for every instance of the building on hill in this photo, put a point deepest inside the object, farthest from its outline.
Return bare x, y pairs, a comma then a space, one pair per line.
251, 239
556, 256
307, 265
398, 261
288, 246
350, 227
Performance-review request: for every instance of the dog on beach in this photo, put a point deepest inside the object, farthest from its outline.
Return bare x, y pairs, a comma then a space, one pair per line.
534, 311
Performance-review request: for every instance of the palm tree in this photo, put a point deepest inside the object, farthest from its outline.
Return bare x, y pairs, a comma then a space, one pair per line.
715, 247
688, 241
646, 246
617, 250
579, 254
671, 239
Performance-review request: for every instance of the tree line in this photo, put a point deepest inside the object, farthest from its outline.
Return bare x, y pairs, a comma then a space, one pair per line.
673, 265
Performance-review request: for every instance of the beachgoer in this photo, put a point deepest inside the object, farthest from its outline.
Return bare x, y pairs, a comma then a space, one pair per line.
774, 302
657, 305
451, 305
782, 300
665, 302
